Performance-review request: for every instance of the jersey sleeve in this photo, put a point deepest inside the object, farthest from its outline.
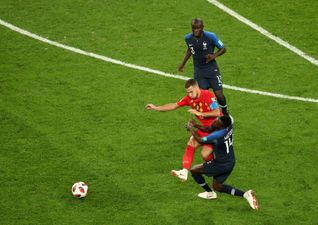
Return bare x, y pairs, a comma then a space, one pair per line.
187, 38
213, 136
184, 101
215, 40
212, 101
214, 104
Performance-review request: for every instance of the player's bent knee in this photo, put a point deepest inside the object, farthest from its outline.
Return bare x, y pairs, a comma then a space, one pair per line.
206, 153
219, 94
196, 169
193, 171
193, 142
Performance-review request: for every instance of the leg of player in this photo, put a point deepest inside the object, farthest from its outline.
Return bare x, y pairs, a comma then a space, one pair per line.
203, 83
196, 172
251, 199
206, 153
248, 195
222, 101
217, 86
186, 160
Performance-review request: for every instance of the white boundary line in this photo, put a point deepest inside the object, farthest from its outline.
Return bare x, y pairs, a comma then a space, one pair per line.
264, 32
118, 62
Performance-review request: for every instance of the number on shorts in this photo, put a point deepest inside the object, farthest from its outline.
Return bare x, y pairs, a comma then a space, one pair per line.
219, 80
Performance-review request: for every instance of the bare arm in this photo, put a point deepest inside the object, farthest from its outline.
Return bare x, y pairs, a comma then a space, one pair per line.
220, 52
204, 128
192, 123
195, 135
186, 57
213, 113
162, 108
210, 57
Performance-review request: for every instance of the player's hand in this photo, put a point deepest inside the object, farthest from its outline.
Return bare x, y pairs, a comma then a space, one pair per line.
194, 112
192, 121
209, 57
151, 107
181, 68
190, 125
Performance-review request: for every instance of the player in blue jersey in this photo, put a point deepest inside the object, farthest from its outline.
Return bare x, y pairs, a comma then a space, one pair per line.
223, 163
201, 45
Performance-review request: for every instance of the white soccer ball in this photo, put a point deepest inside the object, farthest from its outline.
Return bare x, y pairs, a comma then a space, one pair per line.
79, 189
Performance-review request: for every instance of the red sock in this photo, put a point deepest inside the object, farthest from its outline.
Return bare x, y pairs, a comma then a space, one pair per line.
188, 157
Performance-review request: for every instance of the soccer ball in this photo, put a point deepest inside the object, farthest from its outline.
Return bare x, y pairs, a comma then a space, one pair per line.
79, 189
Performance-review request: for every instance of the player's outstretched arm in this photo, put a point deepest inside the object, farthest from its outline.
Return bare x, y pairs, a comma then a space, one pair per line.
208, 139
184, 61
213, 113
195, 135
162, 108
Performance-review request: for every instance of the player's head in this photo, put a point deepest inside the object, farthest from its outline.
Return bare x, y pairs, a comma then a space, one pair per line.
197, 27
192, 88
222, 122
226, 121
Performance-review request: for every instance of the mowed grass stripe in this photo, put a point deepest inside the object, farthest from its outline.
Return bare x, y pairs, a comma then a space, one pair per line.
93, 114
133, 66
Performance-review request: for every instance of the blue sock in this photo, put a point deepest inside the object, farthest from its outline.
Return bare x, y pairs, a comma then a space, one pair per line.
231, 190
201, 181
223, 106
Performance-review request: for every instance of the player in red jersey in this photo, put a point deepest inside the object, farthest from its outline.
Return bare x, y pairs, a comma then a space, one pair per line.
204, 106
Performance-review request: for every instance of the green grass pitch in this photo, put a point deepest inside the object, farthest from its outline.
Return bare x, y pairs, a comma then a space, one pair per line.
67, 117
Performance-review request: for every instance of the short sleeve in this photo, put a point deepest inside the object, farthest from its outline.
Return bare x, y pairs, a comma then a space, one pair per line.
187, 38
184, 101
215, 40
212, 101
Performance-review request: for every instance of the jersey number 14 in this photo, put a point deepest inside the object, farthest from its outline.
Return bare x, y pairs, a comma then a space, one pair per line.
228, 143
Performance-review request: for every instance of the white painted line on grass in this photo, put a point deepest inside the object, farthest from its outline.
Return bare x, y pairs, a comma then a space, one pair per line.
115, 61
264, 32
270, 94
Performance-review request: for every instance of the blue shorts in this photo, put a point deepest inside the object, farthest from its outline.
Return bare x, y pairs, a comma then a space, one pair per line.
208, 78
217, 170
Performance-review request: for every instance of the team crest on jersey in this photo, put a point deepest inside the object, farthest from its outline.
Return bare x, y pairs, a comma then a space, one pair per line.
205, 45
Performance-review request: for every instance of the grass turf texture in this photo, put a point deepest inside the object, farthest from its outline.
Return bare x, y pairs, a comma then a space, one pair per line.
66, 117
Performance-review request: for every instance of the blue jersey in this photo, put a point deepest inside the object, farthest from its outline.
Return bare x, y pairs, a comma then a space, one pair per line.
202, 46
222, 141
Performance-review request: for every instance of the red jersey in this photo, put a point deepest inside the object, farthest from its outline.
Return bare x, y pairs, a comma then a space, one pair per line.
206, 102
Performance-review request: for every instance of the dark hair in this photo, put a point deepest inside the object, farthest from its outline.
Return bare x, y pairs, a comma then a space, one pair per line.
226, 121
196, 20
191, 82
